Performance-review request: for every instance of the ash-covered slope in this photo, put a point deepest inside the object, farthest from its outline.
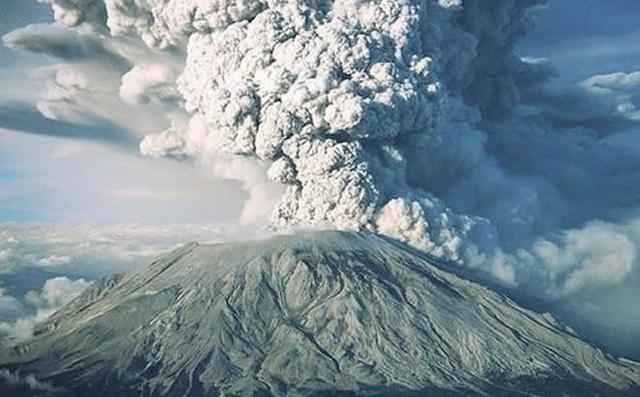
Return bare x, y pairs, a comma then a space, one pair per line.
323, 313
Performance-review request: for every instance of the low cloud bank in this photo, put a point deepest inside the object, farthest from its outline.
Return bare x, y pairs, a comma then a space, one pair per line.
37, 306
44, 266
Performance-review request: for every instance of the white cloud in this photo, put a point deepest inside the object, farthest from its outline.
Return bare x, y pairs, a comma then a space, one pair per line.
93, 250
145, 83
623, 89
4, 254
596, 257
10, 307
145, 193
41, 304
60, 290
75, 12
619, 81
54, 261
15, 380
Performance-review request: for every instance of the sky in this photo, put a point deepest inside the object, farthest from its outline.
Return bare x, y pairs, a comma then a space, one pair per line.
117, 185
586, 37
79, 200
40, 179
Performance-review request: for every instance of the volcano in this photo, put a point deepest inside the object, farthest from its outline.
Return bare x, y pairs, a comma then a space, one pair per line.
313, 314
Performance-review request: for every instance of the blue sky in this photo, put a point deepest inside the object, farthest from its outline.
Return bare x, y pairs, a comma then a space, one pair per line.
585, 37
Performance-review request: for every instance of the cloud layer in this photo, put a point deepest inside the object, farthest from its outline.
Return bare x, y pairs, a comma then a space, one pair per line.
55, 293
44, 266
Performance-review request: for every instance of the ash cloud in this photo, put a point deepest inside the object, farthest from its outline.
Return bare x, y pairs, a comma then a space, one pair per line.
411, 118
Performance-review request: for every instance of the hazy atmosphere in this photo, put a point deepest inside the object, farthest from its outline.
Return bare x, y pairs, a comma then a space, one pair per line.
507, 144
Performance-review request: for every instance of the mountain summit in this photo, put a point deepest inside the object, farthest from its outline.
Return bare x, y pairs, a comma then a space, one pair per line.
323, 313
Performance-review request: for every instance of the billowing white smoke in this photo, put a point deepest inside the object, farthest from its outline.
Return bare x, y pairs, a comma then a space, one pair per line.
329, 93
410, 118
323, 91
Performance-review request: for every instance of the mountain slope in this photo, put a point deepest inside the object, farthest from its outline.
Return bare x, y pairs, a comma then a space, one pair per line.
323, 313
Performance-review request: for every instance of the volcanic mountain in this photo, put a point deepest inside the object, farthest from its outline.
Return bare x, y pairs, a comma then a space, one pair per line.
314, 314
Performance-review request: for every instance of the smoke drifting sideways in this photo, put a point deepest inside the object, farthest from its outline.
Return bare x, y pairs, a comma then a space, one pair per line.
415, 119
